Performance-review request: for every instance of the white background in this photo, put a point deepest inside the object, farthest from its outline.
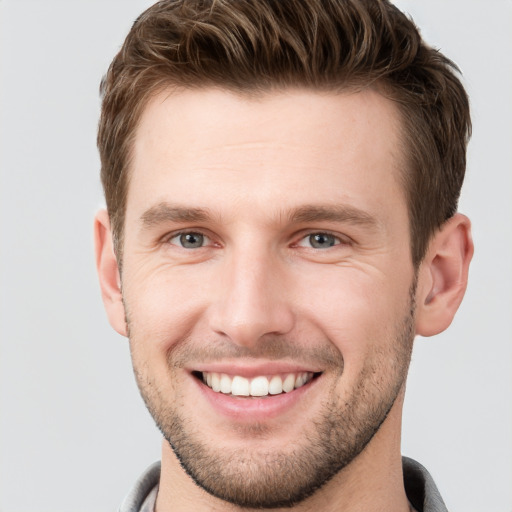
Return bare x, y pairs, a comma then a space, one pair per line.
74, 432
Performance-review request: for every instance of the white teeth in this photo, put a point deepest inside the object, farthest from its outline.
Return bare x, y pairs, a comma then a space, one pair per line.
240, 386
215, 382
225, 384
258, 386
275, 386
300, 380
289, 383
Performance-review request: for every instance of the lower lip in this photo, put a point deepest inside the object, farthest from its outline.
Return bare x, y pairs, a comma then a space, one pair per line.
250, 409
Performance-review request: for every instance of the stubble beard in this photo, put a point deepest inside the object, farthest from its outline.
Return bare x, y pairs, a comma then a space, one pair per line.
266, 478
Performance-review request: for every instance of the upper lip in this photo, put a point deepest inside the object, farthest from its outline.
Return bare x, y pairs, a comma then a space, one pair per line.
251, 369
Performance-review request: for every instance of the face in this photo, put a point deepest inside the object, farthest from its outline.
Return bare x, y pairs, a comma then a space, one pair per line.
268, 284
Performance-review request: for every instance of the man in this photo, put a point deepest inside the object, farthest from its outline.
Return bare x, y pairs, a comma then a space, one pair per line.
281, 182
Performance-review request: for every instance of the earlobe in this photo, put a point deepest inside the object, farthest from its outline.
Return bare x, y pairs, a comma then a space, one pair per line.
108, 272
443, 276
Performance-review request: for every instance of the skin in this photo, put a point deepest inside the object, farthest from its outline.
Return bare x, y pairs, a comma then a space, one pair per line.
257, 298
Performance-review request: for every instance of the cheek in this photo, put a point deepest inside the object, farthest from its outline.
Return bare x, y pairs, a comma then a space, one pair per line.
163, 304
360, 313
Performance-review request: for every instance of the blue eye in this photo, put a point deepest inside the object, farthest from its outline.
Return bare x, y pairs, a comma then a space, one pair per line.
189, 240
320, 241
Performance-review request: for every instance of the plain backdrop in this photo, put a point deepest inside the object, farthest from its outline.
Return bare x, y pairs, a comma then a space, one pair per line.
74, 431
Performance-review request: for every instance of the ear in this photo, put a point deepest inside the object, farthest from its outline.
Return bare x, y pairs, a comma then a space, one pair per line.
443, 276
108, 273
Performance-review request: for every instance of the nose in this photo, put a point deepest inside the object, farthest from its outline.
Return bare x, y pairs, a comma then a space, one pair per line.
252, 299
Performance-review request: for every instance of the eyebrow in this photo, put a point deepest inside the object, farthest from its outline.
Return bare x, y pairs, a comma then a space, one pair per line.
166, 212
333, 213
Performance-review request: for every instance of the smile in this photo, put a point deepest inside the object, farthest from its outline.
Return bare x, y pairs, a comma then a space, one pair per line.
259, 386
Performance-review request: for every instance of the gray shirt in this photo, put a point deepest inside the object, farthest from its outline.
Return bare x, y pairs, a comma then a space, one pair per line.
419, 486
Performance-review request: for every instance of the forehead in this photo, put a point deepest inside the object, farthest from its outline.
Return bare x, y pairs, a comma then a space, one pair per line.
201, 145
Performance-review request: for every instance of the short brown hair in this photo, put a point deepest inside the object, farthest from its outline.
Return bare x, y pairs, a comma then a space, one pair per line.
260, 45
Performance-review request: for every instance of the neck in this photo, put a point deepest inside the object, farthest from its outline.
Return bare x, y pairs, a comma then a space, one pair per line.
372, 482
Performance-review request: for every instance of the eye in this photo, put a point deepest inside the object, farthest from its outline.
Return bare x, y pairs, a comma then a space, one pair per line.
319, 241
190, 240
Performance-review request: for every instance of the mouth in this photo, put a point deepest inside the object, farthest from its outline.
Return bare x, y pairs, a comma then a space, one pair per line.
256, 387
